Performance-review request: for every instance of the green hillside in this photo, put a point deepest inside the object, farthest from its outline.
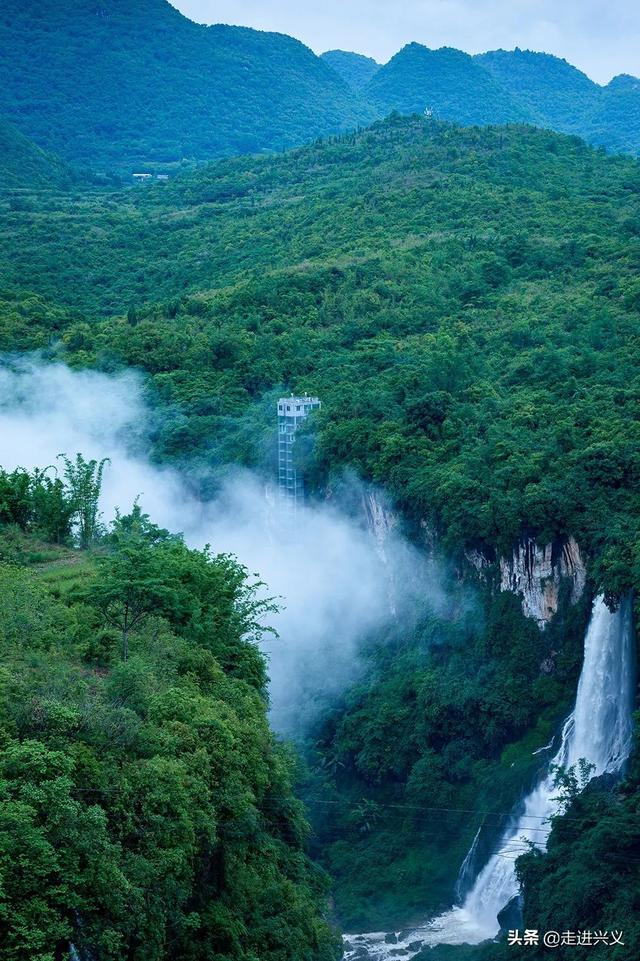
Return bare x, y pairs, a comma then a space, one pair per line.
447, 82
563, 98
614, 120
146, 809
355, 69
138, 85
459, 252
24, 165
466, 303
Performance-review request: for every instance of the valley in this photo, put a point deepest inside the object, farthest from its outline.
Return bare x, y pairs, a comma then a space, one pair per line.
402, 711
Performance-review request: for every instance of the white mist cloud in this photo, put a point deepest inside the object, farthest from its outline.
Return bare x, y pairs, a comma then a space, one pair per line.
334, 585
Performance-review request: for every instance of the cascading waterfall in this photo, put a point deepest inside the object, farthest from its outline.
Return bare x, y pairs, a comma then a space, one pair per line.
599, 731
465, 873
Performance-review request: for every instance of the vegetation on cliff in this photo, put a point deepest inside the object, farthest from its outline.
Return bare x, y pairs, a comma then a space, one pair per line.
146, 809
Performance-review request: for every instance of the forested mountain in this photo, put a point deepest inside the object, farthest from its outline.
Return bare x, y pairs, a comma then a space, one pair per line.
447, 82
123, 85
562, 98
614, 119
413, 233
465, 302
556, 94
137, 85
354, 69
23, 164
510, 86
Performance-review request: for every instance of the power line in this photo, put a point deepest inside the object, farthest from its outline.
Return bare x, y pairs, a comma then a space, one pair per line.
309, 800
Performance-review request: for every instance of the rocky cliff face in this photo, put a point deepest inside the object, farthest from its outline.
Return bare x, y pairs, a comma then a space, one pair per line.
381, 520
535, 572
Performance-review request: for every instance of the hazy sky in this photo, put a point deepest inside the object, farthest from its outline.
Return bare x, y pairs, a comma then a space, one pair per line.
602, 37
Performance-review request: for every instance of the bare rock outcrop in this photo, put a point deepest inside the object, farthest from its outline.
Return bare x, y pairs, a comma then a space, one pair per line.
381, 520
535, 572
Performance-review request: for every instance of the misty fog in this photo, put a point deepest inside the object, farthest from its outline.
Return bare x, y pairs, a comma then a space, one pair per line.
336, 587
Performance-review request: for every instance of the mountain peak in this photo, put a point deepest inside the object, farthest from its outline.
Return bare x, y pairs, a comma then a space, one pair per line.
624, 81
448, 83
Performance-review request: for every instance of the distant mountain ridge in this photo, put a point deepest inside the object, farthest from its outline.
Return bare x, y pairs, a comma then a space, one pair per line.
124, 87
448, 83
505, 86
563, 98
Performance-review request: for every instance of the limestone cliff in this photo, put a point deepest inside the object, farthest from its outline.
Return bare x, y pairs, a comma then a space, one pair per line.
381, 520
535, 572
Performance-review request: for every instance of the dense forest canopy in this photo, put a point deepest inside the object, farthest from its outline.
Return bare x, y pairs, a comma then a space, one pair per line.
466, 304
506, 85
124, 85
561, 97
550, 87
448, 83
146, 809
463, 300
355, 69
25, 165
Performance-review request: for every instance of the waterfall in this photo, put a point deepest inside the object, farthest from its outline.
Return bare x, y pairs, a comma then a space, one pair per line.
466, 870
599, 731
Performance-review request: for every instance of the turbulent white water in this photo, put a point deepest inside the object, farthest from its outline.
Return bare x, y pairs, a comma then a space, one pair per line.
599, 731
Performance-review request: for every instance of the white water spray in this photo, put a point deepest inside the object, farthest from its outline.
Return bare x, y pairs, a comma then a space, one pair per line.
599, 731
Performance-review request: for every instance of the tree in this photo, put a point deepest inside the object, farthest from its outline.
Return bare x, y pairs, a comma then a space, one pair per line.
15, 502
205, 596
147, 811
84, 480
52, 507
36, 502
132, 584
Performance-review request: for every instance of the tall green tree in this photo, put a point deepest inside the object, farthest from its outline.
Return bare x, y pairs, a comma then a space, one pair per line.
84, 480
133, 582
